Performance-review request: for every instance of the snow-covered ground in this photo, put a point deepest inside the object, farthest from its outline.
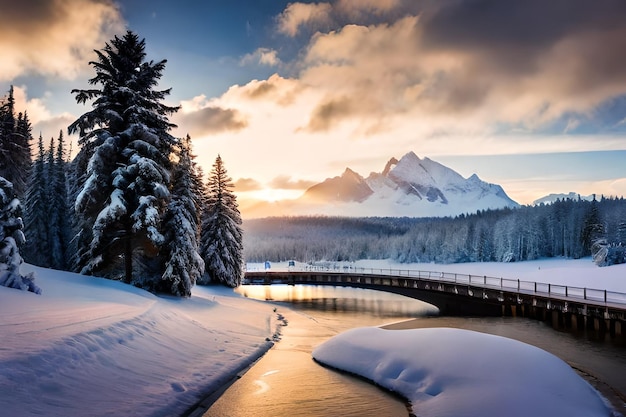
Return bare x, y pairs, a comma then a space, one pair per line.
455, 372
94, 347
89, 346
581, 273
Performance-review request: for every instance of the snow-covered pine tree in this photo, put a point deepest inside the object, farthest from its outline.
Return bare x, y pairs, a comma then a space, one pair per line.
621, 233
7, 129
15, 137
221, 244
36, 216
11, 236
81, 226
593, 227
59, 226
183, 263
125, 193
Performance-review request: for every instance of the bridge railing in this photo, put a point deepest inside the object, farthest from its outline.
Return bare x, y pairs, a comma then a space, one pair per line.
513, 285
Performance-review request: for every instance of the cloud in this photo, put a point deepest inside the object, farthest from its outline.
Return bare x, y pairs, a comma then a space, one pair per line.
470, 65
329, 113
567, 62
285, 182
55, 37
200, 116
297, 15
359, 9
41, 118
276, 89
262, 56
34, 107
247, 184
211, 120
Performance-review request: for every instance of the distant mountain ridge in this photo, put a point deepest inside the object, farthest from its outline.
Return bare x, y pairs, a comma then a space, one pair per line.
411, 187
552, 198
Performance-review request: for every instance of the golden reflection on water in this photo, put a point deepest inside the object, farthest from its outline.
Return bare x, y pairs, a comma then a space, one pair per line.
287, 382
339, 299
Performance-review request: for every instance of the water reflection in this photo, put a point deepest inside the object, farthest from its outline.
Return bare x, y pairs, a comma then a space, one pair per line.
340, 300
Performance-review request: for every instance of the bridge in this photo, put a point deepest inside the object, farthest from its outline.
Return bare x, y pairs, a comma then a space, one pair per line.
471, 295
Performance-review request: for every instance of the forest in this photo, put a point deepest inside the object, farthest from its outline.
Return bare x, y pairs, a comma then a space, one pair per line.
566, 228
132, 204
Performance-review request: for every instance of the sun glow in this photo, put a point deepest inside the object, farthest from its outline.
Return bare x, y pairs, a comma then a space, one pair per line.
274, 194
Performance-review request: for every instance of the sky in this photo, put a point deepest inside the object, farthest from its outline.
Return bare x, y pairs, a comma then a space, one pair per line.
529, 95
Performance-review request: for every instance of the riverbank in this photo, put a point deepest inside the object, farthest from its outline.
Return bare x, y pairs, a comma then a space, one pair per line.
202, 406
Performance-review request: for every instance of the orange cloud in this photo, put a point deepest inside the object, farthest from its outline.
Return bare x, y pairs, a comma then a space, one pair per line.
55, 37
247, 184
285, 182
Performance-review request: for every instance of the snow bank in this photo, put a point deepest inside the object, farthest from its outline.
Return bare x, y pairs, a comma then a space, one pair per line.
90, 346
454, 372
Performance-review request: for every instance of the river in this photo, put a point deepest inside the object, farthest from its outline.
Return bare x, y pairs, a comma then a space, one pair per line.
287, 382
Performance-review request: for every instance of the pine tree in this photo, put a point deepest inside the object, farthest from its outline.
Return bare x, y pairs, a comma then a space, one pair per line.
11, 236
125, 193
59, 227
15, 137
621, 233
7, 129
184, 265
593, 228
221, 245
36, 212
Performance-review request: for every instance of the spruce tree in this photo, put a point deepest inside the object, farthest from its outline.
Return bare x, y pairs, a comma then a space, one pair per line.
59, 227
125, 137
36, 212
15, 137
221, 244
11, 236
593, 228
183, 266
7, 129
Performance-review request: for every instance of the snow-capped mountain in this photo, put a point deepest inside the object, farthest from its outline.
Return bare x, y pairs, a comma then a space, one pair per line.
551, 198
407, 187
410, 186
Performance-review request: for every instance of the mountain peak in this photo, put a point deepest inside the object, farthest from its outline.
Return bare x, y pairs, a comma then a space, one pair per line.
390, 164
410, 187
348, 173
350, 186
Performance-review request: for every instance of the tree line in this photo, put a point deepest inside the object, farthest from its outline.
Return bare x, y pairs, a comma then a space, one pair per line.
567, 228
132, 205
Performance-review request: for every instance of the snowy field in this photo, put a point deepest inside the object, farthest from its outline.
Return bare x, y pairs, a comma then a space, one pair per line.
89, 346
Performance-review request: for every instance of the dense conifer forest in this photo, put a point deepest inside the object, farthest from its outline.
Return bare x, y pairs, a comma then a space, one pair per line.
566, 228
132, 205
